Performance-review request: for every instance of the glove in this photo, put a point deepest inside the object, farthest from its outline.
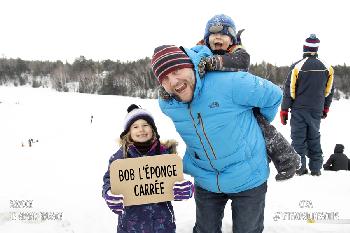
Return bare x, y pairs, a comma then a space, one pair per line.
326, 166
201, 67
325, 111
209, 64
284, 116
115, 202
183, 190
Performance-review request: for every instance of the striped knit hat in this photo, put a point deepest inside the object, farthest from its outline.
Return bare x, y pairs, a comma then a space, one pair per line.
311, 44
136, 113
168, 58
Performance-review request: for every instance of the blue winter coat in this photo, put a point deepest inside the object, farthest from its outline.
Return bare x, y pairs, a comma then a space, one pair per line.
147, 218
225, 146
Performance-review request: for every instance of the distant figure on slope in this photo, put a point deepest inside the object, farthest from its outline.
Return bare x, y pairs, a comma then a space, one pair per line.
140, 138
338, 160
92, 117
31, 142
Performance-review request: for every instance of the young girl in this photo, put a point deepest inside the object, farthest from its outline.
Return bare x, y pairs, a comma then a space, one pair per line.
140, 138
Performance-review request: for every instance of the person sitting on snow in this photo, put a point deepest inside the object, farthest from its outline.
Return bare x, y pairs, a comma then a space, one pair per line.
338, 160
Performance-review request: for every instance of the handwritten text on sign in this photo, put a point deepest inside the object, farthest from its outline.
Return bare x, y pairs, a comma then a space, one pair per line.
148, 179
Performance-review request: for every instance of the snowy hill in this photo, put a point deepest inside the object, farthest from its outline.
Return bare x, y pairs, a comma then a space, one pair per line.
55, 185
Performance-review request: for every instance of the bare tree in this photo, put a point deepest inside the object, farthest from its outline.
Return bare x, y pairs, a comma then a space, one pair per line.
60, 78
89, 82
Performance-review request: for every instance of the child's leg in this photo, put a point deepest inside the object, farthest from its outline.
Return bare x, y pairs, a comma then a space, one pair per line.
279, 150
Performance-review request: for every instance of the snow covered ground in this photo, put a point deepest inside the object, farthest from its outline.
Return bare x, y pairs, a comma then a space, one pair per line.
57, 182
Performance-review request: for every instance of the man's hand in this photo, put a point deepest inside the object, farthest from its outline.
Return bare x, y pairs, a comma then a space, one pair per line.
325, 112
284, 116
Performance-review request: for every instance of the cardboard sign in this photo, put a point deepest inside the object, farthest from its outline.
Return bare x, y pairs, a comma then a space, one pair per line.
147, 179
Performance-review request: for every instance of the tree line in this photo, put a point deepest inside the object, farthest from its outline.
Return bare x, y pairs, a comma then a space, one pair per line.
134, 78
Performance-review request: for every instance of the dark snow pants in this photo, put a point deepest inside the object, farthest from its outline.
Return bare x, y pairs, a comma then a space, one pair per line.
305, 134
247, 210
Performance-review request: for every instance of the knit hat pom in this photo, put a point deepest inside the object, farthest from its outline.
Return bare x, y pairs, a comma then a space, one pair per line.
132, 107
313, 36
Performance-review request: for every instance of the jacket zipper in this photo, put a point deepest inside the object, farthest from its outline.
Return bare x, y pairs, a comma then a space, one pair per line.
211, 147
206, 153
200, 139
205, 134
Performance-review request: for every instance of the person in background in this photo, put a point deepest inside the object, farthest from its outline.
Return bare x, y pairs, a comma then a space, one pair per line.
338, 160
140, 138
308, 92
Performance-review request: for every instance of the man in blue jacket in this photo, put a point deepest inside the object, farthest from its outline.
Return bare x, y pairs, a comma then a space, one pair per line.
225, 148
308, 92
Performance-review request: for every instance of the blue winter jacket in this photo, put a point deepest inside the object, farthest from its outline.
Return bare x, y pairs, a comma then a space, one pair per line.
225, 148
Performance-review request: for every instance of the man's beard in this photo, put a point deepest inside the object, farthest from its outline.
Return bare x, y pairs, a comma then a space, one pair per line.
190, 85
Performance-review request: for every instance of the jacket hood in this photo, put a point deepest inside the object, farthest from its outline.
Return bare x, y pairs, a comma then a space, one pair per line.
196, 54
339, 148
171, 145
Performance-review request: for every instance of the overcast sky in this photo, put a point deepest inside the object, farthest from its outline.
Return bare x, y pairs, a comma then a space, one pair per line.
128, 30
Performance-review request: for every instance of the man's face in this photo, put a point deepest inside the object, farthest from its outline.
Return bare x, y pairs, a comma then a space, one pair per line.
218, 41
180, 83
